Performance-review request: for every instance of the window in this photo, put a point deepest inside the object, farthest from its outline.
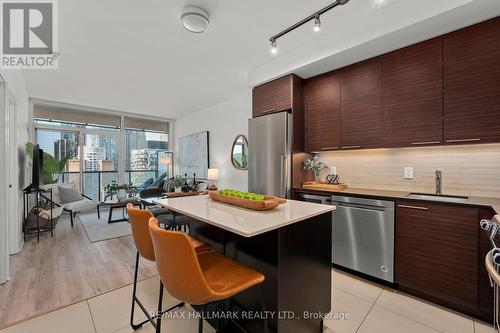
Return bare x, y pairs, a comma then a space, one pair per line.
94, 142
100, 163
147, 152
62, 144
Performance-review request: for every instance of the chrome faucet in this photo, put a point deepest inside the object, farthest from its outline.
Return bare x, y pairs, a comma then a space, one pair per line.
438, 181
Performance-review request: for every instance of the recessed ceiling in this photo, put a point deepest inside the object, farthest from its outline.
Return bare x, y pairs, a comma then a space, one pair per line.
135, 56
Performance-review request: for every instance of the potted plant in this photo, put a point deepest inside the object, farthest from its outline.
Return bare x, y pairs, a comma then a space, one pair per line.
51, 166
121, 191
179, 181
315, 166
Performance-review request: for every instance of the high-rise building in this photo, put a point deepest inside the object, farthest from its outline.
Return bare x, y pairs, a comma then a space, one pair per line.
64, 147
155, 144
143, 159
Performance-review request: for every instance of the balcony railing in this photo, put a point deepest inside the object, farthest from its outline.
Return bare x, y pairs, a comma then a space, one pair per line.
94, 181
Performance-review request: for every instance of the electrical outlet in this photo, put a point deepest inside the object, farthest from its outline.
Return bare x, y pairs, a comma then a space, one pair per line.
408, 172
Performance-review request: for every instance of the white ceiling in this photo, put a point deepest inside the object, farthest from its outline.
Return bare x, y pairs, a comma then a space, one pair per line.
134, 56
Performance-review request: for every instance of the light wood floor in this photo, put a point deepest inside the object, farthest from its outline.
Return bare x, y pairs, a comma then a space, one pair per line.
64, 270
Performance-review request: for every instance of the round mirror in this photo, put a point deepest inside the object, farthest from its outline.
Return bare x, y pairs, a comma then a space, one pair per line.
239, 153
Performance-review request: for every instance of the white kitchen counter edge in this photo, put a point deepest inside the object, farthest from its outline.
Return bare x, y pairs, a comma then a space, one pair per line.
170, 204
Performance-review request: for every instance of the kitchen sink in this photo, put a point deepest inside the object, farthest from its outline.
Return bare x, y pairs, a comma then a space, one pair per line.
438, 197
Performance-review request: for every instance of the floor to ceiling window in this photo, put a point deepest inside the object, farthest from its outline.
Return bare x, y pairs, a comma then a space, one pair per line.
101, 148
147, 155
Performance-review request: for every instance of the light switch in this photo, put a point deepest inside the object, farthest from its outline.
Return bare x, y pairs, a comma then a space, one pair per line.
408, 172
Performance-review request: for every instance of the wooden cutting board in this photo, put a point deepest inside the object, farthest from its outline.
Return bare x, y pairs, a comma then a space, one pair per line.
324, 186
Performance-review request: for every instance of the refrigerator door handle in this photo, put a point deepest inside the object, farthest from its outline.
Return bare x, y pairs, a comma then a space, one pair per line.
283, 181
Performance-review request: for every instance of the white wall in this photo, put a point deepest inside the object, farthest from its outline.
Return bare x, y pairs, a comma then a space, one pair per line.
16, 85
223, 121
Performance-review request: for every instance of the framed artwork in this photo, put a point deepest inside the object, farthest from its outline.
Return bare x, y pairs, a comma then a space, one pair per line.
194, 155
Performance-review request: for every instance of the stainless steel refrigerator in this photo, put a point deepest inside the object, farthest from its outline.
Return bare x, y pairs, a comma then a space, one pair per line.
269, 154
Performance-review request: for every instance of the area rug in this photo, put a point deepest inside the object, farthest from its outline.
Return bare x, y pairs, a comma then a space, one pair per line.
99, 230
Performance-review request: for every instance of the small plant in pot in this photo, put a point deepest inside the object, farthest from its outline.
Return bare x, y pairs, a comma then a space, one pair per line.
315, 166
121, 191
179, 181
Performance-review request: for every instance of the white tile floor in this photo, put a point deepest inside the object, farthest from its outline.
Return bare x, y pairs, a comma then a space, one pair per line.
358, 306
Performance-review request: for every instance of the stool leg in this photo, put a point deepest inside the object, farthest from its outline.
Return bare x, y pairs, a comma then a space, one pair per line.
134, 326
263, 307
159, 313
134, 298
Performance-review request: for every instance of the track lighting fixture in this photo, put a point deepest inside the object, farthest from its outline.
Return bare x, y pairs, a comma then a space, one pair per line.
315, 17
274, 47
317, 24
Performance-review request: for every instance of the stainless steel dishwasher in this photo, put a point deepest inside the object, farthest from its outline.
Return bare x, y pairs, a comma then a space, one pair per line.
363, 236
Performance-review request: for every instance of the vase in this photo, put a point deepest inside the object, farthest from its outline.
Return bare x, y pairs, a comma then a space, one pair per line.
178, 189
121, 195
317, 179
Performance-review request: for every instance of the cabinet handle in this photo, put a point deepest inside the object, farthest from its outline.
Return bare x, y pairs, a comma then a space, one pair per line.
413, 207
269, 110
350, 147
462, 140
329, 148
426, 143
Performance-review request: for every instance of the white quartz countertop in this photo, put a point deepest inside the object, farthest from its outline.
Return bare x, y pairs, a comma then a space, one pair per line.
241, 221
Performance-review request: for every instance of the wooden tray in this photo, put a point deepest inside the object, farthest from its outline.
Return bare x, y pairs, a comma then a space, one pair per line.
324, 186
268, 203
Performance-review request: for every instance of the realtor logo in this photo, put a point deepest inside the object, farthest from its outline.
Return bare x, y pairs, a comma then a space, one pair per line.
29, 34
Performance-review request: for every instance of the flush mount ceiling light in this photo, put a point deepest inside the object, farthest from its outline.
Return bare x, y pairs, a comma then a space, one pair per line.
315, 17
195, 19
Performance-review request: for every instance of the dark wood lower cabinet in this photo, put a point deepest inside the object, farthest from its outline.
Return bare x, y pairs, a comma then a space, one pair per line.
437, 253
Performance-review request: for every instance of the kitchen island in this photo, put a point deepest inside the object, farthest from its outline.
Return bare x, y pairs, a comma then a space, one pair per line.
290, 245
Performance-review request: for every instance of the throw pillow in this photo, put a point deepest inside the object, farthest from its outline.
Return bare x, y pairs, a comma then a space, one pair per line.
69, 194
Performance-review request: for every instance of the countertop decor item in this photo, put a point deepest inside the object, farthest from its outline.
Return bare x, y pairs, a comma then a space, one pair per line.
213, 175
268, 202
315, 166
333, 179
324, 186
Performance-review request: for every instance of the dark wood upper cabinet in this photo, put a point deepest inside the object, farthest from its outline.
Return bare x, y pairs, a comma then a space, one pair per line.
322, 116
472, 84
274, 96
436, 253
412, 95
361, 105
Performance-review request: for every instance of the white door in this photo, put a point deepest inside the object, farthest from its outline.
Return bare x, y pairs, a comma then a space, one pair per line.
4, 240
13, 192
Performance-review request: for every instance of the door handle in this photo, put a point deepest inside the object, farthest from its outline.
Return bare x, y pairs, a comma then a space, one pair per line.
283, 176
413, 207
462, 140
425, 143
350, 147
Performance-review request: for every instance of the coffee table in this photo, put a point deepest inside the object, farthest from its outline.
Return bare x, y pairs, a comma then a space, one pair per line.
113, 204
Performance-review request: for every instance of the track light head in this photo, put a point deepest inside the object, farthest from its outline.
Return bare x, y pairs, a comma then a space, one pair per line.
317, 24
274, 46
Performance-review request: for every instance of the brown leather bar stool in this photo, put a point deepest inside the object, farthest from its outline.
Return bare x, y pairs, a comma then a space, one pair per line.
139, 220
204, 278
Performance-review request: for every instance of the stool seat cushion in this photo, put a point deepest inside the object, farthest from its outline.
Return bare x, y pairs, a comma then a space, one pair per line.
226, 277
